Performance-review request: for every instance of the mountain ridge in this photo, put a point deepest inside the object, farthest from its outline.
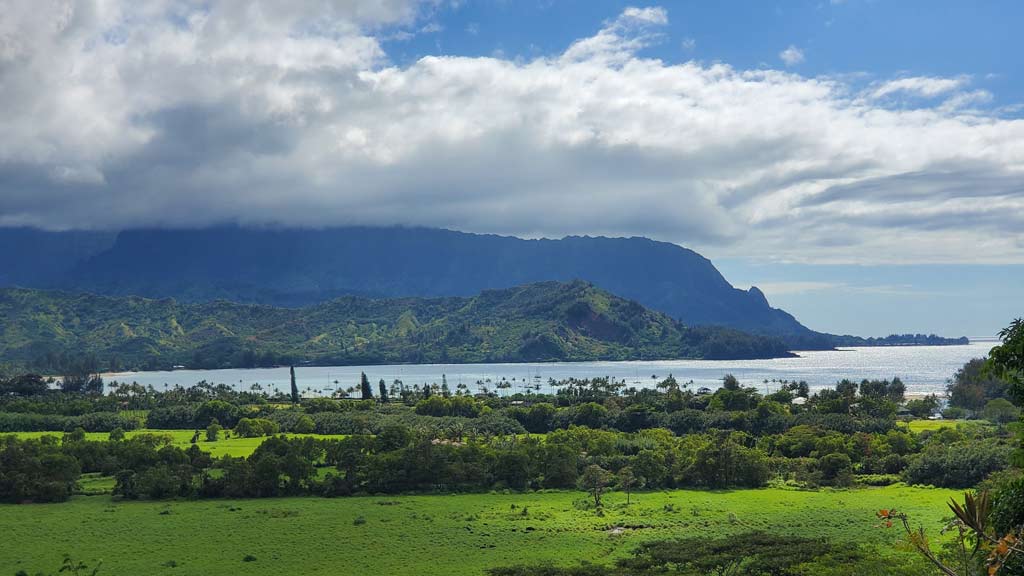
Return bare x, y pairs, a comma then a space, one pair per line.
299, 267
288, 267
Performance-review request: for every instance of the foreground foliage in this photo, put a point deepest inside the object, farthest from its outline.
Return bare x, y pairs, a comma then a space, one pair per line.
989, 529
748, 554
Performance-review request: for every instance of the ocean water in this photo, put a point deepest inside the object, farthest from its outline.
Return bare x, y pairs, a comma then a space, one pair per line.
924, 369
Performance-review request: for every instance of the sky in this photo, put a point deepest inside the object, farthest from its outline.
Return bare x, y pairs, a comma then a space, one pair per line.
862, 161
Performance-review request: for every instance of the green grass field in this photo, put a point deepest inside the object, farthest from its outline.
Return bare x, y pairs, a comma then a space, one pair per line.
424, 535
918, 426
233, 446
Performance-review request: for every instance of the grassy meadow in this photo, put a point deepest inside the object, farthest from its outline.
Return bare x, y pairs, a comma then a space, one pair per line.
235, 446
920, 425
425, 535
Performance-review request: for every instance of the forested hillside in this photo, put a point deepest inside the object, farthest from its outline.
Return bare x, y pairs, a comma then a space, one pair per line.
549, 321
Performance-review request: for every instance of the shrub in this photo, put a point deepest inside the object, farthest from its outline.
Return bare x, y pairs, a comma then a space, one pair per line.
304, 425
464, 406
317, 405
722, 463
256, 427
346, 423
836, 469
213, 431
877, 479
923, 407
686, 421
177, 417
1008, 506
756, 552
536, 419
957, 465
223, 412
954, 413
494, 424
1000, 411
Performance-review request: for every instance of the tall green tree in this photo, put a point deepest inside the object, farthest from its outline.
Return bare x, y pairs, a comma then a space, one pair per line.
383, 391
1007, 362
1007, 359
364, 385
627, 480
595, 480
213, 431
295, 388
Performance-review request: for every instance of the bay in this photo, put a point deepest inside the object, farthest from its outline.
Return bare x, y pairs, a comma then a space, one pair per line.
924, 369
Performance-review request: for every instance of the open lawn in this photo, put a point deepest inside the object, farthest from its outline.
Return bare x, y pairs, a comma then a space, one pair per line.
424, 535
233, 446
921, 425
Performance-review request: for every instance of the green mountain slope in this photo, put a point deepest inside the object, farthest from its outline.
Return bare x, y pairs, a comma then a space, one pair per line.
549, 321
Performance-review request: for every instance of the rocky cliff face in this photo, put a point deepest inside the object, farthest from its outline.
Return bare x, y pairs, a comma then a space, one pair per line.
302, 267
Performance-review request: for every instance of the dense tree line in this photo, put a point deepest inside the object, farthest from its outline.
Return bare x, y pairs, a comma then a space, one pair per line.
596, 403
899, 340
397, 460
36, 470
402, 459
430, 439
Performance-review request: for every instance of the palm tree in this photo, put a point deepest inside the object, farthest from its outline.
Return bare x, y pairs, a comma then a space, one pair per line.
456, 431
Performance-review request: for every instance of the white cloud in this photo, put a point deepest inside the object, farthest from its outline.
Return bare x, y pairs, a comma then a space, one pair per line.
791, 56
168, 114
797, 287
925, 86
787, 288
655, 15
905, 290
621, 38
689, 44
961, 100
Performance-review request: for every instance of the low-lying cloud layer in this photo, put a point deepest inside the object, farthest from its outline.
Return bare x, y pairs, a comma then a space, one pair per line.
126, 114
